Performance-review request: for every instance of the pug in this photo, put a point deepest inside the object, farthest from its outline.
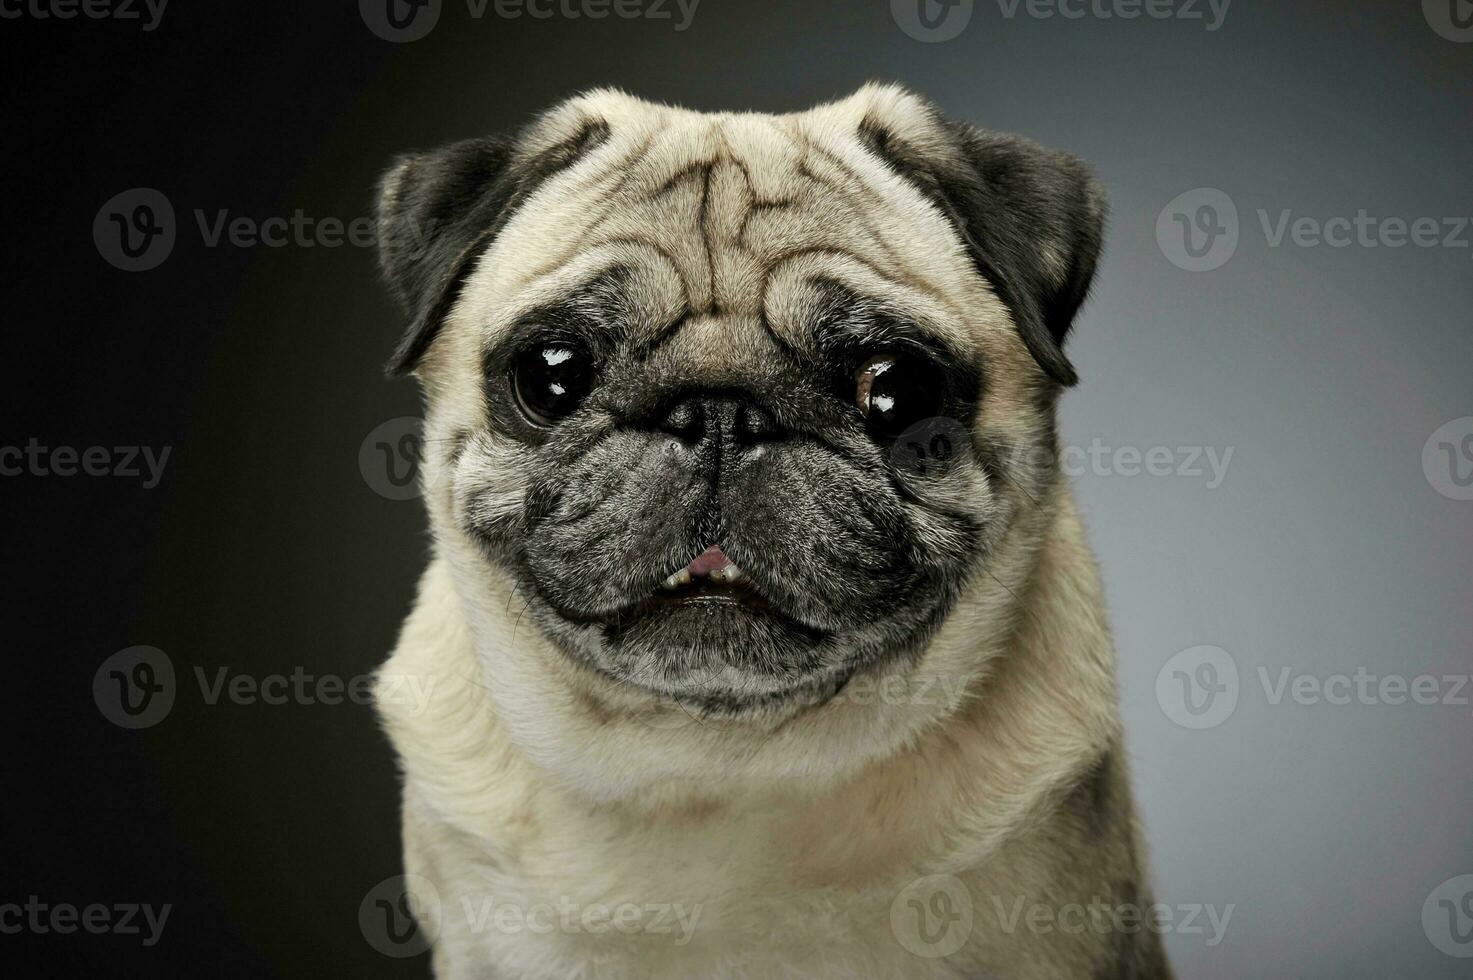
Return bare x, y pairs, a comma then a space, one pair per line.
761, 636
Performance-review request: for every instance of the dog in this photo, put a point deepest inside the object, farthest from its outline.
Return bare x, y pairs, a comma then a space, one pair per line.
762, 634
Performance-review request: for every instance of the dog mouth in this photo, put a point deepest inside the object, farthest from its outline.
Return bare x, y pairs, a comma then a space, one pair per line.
720, 644
710, 578
710, 635
710, 583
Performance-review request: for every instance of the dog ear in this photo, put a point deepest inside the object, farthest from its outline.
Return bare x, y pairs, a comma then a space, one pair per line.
438, 211
434, 209
1032, 220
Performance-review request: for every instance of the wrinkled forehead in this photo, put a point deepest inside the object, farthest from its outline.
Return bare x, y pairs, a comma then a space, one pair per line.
741, 223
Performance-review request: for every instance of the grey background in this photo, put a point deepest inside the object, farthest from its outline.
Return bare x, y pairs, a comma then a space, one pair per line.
1325, 548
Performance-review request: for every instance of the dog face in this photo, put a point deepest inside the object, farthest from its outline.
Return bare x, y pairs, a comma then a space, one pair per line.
738, 405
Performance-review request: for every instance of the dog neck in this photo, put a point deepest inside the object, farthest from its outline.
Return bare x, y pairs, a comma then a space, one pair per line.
1006, 706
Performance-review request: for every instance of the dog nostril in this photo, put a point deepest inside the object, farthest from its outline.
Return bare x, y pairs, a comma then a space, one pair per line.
696, 420
753, 424
686, 421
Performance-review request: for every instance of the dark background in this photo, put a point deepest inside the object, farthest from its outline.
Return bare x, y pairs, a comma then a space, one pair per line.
266, 550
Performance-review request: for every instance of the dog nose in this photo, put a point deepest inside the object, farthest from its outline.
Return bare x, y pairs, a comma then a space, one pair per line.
686, 421
718, 419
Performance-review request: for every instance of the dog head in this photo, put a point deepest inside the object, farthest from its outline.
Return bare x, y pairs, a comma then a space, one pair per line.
730, 408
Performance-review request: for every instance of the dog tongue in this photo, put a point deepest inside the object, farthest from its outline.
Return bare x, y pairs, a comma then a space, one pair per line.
708, 561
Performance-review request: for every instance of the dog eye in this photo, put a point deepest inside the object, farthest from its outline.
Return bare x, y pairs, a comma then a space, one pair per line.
551, 381
895, 391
